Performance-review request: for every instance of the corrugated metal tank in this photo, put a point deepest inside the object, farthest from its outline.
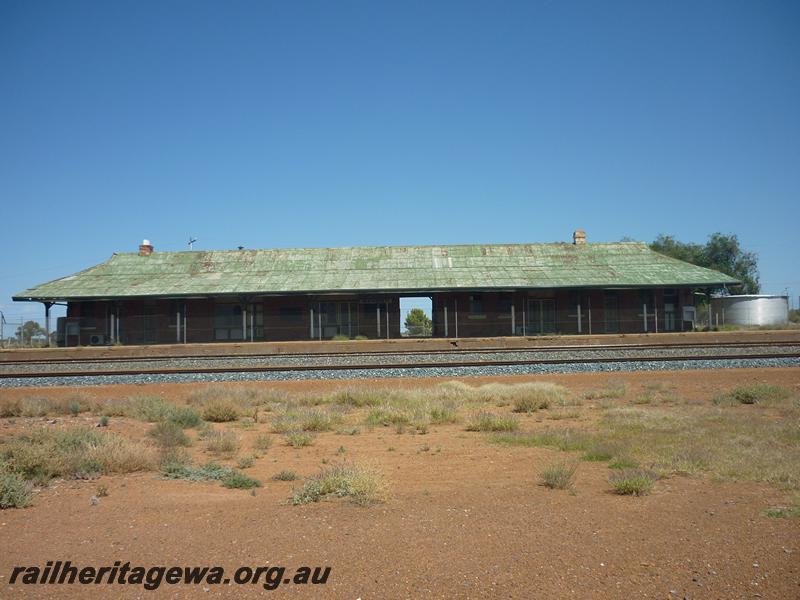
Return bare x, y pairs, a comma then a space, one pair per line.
750, 310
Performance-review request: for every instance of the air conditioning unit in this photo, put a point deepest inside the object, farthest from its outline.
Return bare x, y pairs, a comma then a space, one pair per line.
97, 339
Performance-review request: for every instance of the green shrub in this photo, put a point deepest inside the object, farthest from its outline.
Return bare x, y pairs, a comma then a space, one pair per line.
222, 442
299, 439
208, 472
238, 480
103, 422
558, 476
753, 393
633, 482
168, 434
263, 442
184, 416
443, 412
486, 421
15, 492
363, 485
341, 338
75, 408
246, 462
285, 476
220, 410
144, 408
359, 397
317, 420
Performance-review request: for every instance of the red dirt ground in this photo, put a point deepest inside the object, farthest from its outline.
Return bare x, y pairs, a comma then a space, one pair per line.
465, 519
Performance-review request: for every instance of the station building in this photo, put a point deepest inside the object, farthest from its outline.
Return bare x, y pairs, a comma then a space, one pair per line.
150, 297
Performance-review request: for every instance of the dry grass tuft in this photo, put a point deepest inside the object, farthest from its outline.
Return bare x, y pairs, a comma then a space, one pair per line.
486, 421
633, 482
362, 484
559, 476
79, 453
222, 442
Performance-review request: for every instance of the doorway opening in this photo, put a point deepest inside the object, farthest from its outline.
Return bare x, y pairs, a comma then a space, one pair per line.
416, 316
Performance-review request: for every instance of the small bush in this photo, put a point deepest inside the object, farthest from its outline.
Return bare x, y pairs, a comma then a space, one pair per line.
222, 442
101, 491
208, 472
387, 415
317, 420
34, 407
220, 410
363, 485
633, 482
359, 397
443, 412
168, 434
143, 408
15, 492
184, 416
75, 408
81, 452
263, 442
103, 422
238, 480
299, 439
341, 338
754, 393
558, 476
246, 462
486, 421
285, 476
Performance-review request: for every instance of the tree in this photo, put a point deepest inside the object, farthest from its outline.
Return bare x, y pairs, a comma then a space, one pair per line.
30, 330
721, 253
418, 323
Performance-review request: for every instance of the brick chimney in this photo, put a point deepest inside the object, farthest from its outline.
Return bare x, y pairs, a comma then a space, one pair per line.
145, 248
579, 237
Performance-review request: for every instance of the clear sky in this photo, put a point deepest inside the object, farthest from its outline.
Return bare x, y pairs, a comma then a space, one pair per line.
283, 124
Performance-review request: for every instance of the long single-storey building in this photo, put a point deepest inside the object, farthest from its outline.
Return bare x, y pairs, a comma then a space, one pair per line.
154, 297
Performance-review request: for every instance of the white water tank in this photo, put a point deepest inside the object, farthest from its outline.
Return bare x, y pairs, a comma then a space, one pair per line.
751, 309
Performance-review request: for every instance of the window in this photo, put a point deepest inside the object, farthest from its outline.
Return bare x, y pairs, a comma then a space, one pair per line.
228, 322
476, 304
611, 312
290, 313
504, 303
670, 309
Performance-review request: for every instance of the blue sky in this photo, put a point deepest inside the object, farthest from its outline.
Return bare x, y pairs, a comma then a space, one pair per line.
269, 124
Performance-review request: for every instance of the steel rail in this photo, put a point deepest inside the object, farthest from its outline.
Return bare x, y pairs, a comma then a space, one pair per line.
391, 366
449, 351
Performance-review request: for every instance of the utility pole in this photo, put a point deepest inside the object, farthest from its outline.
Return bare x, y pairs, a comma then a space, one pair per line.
2, 324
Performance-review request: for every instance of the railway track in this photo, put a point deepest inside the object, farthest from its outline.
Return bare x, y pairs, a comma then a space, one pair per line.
453, 350
69, 368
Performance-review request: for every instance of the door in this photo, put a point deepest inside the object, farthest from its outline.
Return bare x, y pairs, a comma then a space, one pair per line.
541, 316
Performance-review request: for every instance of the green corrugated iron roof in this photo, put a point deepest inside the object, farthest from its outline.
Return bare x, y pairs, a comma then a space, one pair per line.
384, 268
